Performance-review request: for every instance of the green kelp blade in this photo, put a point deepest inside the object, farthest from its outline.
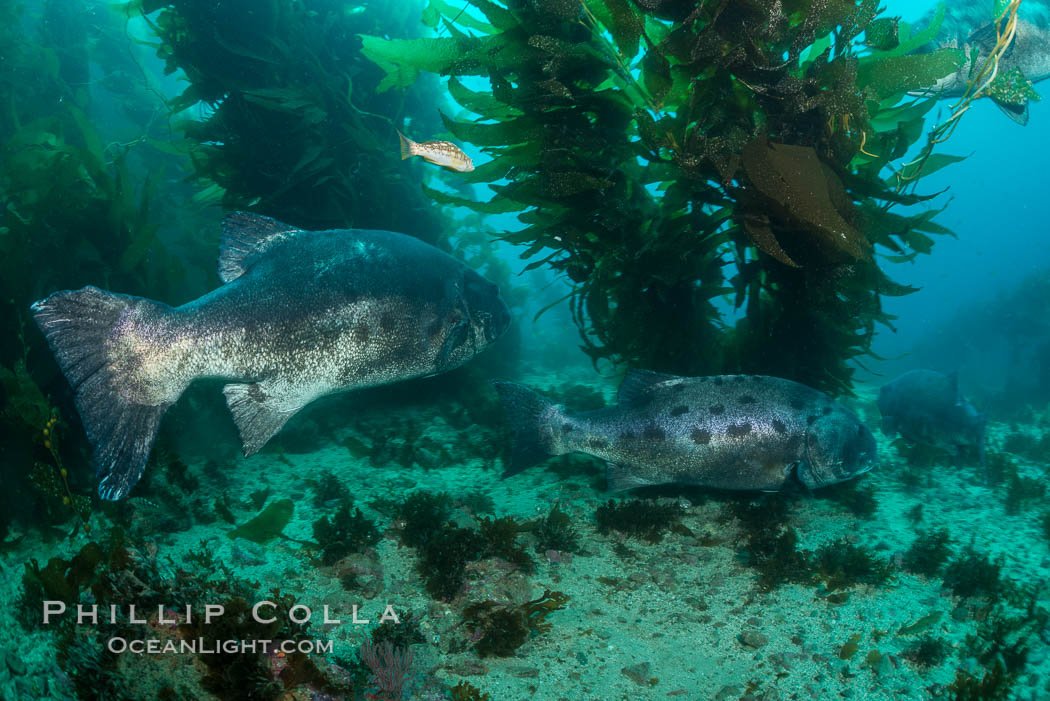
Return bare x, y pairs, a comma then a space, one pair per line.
440, 9
906, 43
482, 103
403, 59
622, 22
813, 52
495, 206
24, 399
922, 168
882, 34
896, 75
499, 17
268, 525
512, 131
886, 118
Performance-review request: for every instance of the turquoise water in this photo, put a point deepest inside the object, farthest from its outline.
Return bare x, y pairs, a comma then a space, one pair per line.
401, 527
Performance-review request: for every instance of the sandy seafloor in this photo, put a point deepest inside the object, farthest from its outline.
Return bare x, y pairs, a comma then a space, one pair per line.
669, 628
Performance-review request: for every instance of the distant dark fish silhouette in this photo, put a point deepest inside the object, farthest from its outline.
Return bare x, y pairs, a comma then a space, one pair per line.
731, 432
925, 406
301, 314
967, 26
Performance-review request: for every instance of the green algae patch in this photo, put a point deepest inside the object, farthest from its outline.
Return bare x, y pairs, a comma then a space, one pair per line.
269, 524
850, 647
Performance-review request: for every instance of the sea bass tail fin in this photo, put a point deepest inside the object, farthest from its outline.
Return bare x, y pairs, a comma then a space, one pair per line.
85, 328
529, 415
407, 147
1017, 113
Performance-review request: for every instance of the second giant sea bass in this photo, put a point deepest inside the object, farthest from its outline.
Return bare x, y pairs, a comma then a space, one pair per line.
302, 314
926, 406
748, 432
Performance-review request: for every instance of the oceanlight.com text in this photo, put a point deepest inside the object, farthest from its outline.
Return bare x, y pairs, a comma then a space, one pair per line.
200, 646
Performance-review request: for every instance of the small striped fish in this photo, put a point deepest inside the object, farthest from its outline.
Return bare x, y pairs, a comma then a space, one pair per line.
443, 153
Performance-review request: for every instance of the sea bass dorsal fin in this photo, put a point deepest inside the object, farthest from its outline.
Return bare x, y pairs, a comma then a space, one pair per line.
985, 38
246, 236
638, 383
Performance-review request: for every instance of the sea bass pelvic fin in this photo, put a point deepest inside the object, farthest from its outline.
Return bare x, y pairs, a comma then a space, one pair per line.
245, 237
87, 330
529, 416
259, 412
618, 478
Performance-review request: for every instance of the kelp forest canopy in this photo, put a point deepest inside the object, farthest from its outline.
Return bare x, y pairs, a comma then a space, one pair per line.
663, 154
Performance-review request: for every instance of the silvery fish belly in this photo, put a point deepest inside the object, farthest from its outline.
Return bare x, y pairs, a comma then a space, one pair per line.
747, 432
301, 314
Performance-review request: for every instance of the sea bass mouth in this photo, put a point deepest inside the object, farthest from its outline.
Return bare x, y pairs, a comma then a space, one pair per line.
805, 474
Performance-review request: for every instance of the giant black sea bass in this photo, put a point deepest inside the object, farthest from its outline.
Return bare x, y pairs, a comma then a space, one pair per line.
301, 314
748, 432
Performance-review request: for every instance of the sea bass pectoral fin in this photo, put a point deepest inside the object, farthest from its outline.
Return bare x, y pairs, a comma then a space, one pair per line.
618, 478
529, 415
455, 338
87, 330
245, 237
259, 412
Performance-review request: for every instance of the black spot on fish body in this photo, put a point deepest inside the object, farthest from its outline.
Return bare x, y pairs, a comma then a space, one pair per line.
679, 410
256, 392
779, 426
738, 430
717, 410
653, 433
704, 379
700, 436
387, 322
718, 380
738, 378
747, 399
797, 403
627, 435
566, 427
596, 443
361, 333
827, 410
810, 420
